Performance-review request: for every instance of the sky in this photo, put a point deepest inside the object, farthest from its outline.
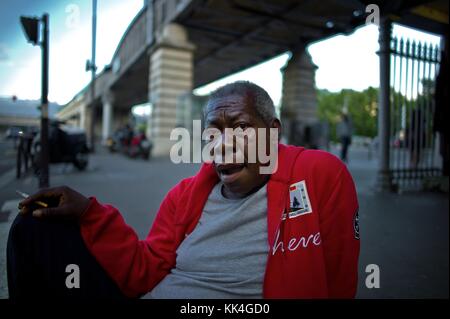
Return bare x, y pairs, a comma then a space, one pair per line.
70, 44
353, 63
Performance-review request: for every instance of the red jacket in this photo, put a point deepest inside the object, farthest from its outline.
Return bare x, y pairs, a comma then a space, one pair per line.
313, 254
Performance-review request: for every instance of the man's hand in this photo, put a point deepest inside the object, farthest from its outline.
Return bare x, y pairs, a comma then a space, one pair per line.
63, 202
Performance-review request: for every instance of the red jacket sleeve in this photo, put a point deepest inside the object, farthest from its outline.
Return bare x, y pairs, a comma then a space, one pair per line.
135, 265
340, 231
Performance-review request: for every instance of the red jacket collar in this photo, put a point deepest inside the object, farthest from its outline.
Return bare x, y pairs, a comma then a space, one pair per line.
206, 178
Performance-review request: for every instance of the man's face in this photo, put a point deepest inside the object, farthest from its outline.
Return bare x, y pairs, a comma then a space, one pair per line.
233, 112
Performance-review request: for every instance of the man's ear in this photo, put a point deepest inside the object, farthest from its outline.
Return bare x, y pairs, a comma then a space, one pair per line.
277, 124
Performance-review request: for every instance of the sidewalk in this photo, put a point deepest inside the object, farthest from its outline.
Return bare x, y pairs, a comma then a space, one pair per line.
405, 235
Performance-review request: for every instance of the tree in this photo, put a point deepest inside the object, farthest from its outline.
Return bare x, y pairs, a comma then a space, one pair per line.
361, 106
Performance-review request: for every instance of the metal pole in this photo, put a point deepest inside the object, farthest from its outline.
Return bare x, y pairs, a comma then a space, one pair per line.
427, 109
394, 129
434, 64
44, 180
413, 148
384, 174
400, 114
93, 69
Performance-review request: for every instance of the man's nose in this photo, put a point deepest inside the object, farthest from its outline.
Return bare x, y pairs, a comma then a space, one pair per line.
228, 142
225, 146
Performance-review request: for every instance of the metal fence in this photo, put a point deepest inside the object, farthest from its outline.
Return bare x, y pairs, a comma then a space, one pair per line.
414, 67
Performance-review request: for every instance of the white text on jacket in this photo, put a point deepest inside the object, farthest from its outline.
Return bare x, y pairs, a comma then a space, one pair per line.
295, 242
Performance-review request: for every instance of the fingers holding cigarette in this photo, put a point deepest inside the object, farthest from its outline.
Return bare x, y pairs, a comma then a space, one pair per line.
59, 202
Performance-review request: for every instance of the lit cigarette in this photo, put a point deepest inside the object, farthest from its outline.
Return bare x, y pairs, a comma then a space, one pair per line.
25, 195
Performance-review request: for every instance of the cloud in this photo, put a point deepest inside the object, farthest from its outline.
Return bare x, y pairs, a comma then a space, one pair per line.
4, 53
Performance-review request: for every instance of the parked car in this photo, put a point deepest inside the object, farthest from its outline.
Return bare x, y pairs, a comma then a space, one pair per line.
13, 132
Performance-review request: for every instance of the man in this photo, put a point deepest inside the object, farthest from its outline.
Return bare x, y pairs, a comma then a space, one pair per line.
344, 131
227, 232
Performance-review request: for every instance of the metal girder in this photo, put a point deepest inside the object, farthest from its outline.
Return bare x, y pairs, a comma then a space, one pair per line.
210, 15
263, 25
214, 31
225, 71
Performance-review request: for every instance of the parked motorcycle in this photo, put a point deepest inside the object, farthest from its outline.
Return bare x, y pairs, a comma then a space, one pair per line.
124, 141
66, 145
120, 140
140, 146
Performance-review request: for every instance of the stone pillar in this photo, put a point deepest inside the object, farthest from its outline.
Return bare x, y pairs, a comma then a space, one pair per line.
83, 117
171, 75
384, 180
107, 116
299, 100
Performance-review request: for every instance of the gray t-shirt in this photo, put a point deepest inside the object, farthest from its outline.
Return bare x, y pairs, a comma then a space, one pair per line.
225, 256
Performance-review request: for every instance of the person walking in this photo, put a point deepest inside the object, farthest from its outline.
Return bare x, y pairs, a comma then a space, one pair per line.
344, 133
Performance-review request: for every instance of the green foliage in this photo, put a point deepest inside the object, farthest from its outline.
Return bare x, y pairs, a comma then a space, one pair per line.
362, 108
141, 127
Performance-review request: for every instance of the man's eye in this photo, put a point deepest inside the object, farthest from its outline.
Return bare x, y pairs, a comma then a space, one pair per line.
243, 126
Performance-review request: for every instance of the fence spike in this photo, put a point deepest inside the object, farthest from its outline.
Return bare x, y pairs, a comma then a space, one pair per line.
419, 50
394, 44
425, 50
413, 49
401, 47
436, 53
430, 52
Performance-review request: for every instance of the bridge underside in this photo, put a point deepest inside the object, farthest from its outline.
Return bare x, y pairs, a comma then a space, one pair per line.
233, 35
132, 87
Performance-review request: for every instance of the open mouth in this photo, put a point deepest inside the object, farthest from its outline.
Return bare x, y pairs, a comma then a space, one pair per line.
229, 172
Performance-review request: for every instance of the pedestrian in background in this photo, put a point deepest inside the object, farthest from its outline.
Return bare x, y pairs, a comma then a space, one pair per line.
344, 132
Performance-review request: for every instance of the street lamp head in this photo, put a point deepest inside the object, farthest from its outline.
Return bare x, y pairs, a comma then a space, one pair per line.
90, 66
31, 29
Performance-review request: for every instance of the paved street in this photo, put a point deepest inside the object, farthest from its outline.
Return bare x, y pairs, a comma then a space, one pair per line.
405, 235
7, 156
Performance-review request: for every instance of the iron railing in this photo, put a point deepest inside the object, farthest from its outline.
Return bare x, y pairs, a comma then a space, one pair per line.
414, 66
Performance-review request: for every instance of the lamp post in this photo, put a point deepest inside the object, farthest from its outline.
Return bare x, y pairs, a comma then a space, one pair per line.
31, 27
90, 66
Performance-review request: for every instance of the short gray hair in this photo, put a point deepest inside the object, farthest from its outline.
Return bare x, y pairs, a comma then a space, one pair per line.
262, 102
